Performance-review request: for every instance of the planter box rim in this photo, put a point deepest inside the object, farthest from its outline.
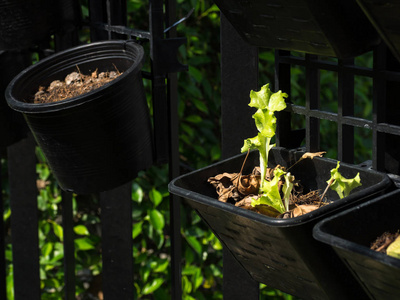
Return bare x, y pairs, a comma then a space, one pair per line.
319, 213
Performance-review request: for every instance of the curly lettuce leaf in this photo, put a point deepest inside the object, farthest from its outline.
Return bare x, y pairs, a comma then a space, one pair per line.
266, 103
271, 195
342, 185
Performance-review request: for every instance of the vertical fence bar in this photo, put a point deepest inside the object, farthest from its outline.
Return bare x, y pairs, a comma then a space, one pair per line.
117, 15
312, 102
97, 14
284, 134
69, 247
379, 95
117, 243
24, 219
345, 108
239, 75
3, 287
159, 87
175, 202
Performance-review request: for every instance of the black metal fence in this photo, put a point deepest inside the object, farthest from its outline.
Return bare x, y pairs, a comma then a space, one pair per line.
108, 20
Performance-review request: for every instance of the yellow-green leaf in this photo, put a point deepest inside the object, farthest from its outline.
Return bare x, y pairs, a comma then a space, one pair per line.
156, 219
394, 248
150, 287
81, 230
342, 185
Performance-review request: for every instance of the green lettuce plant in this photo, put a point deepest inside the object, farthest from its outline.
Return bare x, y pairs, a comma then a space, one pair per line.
267, 103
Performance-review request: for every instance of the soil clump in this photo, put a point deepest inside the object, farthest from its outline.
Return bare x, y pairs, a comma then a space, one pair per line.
74, 84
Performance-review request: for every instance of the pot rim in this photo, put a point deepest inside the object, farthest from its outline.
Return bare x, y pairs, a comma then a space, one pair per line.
313, 216
27, 107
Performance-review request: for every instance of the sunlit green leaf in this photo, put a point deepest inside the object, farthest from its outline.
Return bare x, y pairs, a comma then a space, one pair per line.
162, 265
156, 219
58, 231
81, 230
186, 285
137, 192
47, 249
83, 244
194, 243
136, 229
152, 286
155, 197
197, 279
145, 273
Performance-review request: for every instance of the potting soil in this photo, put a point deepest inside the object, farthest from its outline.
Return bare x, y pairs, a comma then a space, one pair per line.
74, 84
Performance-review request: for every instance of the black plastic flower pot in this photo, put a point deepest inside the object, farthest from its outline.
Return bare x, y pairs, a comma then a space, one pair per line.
282, 253
12, 124
384, 16
329, 28
351, 233
101, 139
24, 23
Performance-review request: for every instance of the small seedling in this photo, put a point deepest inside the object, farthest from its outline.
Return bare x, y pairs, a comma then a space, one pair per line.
276, 191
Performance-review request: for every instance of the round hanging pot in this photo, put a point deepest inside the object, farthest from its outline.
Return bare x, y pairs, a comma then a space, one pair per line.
101, 139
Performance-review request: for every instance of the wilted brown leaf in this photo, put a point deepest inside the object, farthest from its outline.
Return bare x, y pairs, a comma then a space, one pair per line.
225, 187
312, 155
302, 210
249, 184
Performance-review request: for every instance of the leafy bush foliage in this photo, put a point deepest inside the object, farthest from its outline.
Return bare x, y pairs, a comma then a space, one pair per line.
199, 145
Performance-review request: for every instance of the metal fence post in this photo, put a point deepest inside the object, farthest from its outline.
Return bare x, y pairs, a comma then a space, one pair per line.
239, 75
24, 219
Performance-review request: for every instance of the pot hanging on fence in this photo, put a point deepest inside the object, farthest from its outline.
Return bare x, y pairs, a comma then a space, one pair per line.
384, 16
282, 252
351, 233
26, 22
329, 28
99, 140
12, 124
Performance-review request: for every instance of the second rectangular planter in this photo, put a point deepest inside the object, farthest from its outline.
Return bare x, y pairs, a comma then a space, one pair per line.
350, 234
282, 253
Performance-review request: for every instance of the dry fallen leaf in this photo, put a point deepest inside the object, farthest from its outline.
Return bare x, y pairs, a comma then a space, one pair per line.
249, 184
312, 154
302, 210
224, 186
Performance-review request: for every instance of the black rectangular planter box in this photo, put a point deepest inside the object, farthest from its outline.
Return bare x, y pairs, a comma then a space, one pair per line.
282, 252
351, 232
329, 28
384, 16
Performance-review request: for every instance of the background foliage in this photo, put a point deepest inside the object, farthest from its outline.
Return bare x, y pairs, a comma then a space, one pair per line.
199, 137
